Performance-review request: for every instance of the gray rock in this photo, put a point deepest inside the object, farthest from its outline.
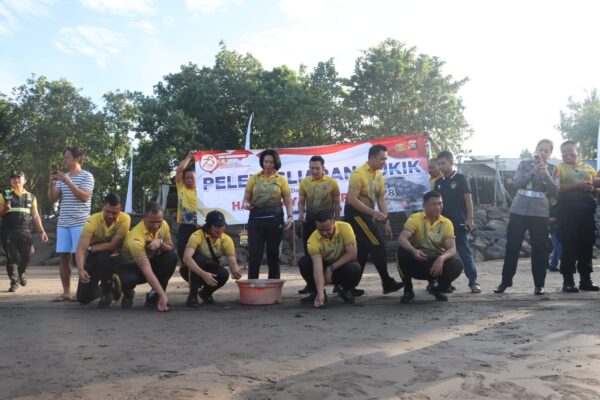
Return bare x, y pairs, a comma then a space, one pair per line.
495, 225
480, 218
478, 256
496, 213
490, 236
501, 243
479, 244
494, 252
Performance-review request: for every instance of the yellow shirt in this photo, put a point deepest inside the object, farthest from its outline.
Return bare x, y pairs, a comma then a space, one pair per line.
435, 178
33, 199
319, 194
186, 204
332, 249
267, 192
368, 184
136, 242
427, 237
579, 173
223, 246
98, 232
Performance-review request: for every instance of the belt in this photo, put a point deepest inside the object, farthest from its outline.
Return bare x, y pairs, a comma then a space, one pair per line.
531, 193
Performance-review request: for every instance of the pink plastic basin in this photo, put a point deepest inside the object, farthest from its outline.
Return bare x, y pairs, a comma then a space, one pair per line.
260, 291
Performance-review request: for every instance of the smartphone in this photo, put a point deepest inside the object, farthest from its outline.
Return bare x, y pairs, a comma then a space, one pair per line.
536, 158
54, 168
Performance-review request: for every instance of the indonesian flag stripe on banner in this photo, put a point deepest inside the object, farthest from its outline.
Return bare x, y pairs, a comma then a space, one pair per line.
221, 175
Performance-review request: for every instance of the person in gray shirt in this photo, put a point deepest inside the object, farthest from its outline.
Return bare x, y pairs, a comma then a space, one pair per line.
530, 212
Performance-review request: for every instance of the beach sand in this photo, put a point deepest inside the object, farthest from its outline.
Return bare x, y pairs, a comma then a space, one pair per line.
510, 346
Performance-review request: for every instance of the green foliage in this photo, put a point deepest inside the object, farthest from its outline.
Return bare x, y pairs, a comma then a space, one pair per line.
525, 153
48, 117
394, 91
580, 123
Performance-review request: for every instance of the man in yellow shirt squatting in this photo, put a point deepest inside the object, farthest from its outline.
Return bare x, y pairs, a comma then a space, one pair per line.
331, 259
427, 250
97, 258
148, 255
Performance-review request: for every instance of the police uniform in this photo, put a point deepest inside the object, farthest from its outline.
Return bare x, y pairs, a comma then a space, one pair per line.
453, 189
135, 247
265, 223
330, 250
186, 215
101, 265
16, 232
319, 194
207, 256
430, 239
370, 185
575, 223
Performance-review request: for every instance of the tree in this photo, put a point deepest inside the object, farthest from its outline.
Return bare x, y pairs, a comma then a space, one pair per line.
196, 108
121, 113
49, 116
525, 153
580, 123
394, 91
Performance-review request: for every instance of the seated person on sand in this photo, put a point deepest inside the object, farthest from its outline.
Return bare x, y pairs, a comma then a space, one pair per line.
201, 260
148, 255
331, 258
427, 250
97, 258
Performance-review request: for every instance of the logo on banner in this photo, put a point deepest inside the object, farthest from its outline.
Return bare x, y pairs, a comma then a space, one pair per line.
209, 163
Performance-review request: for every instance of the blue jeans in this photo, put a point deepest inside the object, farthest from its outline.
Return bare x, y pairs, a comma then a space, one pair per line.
464, 251
557, 249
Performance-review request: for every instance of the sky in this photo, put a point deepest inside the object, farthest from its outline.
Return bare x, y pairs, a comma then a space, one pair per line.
523, 59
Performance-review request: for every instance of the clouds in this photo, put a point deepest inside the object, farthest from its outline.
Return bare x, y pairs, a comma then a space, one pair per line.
11, 11
145, 25
95, 42
210, 6
121, 7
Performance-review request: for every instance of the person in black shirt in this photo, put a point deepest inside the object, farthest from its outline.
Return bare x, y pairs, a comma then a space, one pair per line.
458, 208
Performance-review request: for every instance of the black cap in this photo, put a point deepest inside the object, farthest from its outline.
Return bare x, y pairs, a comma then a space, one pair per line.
17, 172
215, 218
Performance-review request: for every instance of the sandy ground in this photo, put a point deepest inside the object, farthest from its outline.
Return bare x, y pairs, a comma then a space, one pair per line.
511, 346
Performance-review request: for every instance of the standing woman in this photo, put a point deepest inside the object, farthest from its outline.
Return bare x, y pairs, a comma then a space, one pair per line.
576, 223
530, 212
263, 196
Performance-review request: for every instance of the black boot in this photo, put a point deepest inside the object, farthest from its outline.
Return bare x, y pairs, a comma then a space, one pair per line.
586, 284
502, 287
569, 284
305, 290
408, 298
106, 299
11, 270
391, 286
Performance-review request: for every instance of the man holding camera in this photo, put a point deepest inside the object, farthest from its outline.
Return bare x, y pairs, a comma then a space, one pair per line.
73, 190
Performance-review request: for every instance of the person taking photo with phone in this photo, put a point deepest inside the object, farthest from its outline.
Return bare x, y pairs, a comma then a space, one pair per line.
530, 211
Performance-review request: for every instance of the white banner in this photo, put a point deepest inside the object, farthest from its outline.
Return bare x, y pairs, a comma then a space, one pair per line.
221, 176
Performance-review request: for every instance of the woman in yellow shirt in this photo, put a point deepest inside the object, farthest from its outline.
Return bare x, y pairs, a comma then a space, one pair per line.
576, 227
264, 192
